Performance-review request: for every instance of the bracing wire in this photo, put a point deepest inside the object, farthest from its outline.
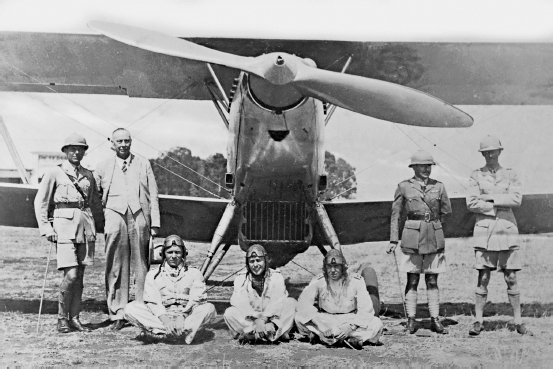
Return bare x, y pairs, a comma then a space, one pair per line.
145, 143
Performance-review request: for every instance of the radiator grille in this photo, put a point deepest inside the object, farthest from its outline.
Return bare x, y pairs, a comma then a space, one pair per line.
275, 221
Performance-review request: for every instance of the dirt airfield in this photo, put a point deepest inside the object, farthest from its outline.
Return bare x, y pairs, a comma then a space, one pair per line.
23, 263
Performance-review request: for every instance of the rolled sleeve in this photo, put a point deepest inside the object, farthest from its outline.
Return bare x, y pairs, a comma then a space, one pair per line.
240, 298
474, 203
397, 207
365, 309
306, 309
152, 296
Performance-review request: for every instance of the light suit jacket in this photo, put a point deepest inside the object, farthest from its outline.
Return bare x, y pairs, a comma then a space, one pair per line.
496, 227
143, 177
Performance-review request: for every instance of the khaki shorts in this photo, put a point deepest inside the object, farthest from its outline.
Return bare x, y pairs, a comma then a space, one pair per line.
423, 264
74, 254
500, 260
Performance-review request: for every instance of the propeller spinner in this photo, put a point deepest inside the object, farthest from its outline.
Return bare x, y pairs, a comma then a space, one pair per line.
375, 98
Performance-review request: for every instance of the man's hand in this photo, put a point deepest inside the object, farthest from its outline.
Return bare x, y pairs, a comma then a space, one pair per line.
260, 331
169, 324
486, 197
345, 331
392, 248
270, 329
323, 328
154, 231
52, 237
179, 323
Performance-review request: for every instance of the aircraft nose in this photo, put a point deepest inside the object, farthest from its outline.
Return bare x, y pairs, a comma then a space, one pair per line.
280, 61
283, 69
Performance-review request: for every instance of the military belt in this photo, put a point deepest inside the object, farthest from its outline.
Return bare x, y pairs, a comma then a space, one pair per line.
72, 205
427, 217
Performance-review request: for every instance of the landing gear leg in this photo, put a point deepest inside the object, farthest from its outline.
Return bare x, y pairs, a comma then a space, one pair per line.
220, 232
326, 225
216, 261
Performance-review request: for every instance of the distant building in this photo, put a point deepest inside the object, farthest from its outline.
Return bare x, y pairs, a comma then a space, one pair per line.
12, 175
44, 160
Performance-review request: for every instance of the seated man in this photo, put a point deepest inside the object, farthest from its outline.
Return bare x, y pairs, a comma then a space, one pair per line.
261, 308
345, 311
174, 298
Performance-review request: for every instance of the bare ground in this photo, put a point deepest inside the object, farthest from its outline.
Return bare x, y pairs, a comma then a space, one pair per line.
24, 259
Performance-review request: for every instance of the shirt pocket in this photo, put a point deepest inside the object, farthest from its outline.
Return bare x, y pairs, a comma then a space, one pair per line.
410, 235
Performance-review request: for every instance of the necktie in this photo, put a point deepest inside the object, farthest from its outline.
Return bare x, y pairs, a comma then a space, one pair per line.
124, 167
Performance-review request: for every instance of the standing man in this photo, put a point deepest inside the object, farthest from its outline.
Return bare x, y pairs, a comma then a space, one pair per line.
71, 190
422, 203
493, 192
260, 307
174, 304
129, 197
336, 306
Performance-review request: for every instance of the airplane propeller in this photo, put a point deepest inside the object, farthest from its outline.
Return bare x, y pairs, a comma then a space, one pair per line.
372, 97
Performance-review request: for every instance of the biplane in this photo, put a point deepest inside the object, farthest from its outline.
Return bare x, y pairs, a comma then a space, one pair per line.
275, 98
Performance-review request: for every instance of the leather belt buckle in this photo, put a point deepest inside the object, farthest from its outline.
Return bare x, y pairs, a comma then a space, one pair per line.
427, 217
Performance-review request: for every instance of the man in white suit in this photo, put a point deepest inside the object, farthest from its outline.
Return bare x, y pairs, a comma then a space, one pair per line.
131, 209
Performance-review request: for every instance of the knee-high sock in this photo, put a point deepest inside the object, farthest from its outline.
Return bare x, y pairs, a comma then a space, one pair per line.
64, 299
479, 302
433, 298
77, 297
514, 299
411, 303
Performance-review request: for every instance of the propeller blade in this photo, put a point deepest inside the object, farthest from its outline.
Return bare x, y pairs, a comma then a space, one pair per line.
378, 99
169, 45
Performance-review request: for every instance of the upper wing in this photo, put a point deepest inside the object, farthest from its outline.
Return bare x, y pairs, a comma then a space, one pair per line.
357, 222
458, 73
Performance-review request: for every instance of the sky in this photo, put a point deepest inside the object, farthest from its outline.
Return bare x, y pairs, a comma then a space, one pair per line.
380, 151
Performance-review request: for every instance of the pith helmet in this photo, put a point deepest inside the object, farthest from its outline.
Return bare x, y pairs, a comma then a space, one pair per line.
256, 250
174, 240
74, 139
334, 257
489, 143
422, 157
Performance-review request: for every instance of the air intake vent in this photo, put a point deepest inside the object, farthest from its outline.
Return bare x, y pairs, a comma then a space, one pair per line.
275, 221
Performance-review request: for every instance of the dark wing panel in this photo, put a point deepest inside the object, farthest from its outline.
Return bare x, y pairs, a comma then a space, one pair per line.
357, 222
193, 218
16, 205
459, 73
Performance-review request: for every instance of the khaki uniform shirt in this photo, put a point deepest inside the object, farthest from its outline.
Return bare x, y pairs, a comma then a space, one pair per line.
353, 298
168, 294
410, 199
496, 227
269, 304
70, 224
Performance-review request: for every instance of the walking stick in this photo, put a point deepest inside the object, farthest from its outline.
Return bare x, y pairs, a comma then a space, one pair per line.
43, 287
399, 285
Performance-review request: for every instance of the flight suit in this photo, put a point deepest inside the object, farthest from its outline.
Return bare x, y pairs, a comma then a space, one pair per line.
273, 304
183, 294
352, 306
496, 237
423, 210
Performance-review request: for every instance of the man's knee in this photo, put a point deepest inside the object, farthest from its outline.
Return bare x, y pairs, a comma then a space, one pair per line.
132, 309
431, 281
510, 278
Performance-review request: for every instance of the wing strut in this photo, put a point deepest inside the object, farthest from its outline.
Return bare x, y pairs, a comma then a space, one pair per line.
216, 102
13, 152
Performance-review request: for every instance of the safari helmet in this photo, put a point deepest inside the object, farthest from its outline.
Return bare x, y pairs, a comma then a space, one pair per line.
423, 158
489, 143
74, 139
